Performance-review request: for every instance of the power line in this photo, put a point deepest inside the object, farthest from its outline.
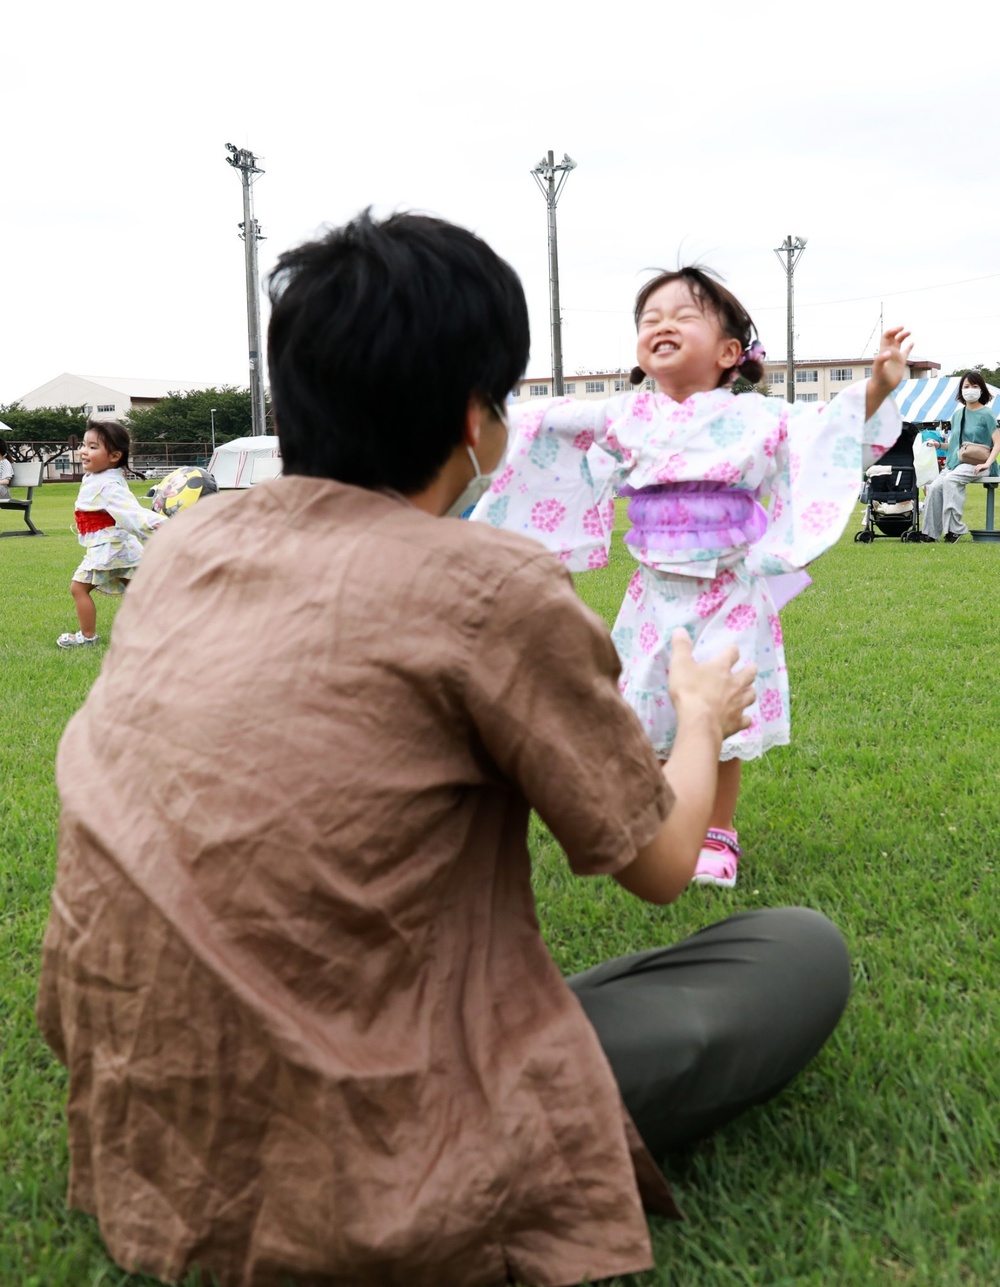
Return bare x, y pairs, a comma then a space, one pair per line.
825, 303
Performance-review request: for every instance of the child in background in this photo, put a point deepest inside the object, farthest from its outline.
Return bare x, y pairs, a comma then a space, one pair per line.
111, 523
697, 461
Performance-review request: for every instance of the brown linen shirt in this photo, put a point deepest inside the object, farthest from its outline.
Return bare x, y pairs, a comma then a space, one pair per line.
293, 963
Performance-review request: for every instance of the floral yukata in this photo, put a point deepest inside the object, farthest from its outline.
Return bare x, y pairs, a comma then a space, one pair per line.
113, 552
712, 559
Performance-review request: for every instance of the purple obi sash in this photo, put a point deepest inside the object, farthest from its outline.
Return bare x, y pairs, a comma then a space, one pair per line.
693, 516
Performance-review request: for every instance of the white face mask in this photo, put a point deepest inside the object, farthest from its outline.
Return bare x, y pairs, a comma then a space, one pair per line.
970, 395
477, 486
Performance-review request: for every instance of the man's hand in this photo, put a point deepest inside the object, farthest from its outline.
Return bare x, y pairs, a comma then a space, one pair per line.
712, 687
888, 369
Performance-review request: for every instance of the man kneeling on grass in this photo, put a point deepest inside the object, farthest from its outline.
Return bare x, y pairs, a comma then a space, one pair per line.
312, 1030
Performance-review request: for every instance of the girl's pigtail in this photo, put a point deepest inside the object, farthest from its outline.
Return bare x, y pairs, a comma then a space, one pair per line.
751, 370
637, 375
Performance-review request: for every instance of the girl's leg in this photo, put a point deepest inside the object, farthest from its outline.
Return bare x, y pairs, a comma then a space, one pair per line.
86, 610
727, 793
697, 1032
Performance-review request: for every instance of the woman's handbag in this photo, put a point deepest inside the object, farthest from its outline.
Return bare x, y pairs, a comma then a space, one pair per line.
973, 453
970, 453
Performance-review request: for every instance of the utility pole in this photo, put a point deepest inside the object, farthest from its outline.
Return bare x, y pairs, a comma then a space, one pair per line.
243, 159
789, 253
544, 175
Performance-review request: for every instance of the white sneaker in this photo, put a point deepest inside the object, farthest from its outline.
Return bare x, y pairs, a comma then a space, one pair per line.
76, 640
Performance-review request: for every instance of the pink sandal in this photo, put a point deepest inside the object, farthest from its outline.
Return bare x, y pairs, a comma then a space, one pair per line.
718, 860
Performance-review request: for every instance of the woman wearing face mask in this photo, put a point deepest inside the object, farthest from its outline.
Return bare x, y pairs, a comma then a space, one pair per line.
972, 422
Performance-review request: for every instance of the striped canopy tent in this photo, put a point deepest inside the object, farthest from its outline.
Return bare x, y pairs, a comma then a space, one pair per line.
924, 401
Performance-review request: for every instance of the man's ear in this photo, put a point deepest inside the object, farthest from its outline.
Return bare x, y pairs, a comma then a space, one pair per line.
473, 424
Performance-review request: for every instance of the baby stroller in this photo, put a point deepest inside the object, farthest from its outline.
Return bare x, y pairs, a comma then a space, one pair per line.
890, 494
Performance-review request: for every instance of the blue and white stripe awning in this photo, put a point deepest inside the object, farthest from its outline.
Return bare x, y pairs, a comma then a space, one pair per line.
922, 401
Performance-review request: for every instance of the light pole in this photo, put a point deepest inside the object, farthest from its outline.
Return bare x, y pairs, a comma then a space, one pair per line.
243, 159
544, 175
789, 253
212, 414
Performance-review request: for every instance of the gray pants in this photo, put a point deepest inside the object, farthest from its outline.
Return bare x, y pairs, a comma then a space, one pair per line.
697, 1032
945, 501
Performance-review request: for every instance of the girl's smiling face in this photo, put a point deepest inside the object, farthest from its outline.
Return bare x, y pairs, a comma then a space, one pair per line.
680, 344
94, 456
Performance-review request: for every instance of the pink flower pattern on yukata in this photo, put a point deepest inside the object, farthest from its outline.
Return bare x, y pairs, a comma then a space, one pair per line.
722, 472
794, 465
592, 523
770, 445
531, 423
584, 440
597, 559
709, 603
682, 411
742, 617
671, 469
777, 638
642, 406
502, 480
770, 704
648, 638
547, 515
609, 514
634, 590
818, 516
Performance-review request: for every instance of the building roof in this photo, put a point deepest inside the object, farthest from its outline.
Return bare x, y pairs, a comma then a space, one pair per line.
134, 387
69, 390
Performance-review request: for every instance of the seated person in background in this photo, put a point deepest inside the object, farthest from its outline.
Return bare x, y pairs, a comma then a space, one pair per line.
971, 423
6, 470
295, 972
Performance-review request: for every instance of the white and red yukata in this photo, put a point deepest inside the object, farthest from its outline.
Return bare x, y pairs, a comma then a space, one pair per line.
112, 527
731, 497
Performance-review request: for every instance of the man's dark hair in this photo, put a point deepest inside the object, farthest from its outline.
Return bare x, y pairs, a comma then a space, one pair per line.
975, 377
380, 334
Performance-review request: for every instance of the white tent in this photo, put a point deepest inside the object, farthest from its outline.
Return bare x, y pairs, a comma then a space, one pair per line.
925, 401
232, 462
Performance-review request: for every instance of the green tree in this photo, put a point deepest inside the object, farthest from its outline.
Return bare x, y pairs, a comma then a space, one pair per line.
44, 424
742, 385
186, 417
991, 374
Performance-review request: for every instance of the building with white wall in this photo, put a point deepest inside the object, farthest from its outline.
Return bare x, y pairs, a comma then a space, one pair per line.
110, 397
816, 380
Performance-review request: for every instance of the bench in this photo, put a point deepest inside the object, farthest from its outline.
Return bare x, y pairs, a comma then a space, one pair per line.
26, 474
989, 532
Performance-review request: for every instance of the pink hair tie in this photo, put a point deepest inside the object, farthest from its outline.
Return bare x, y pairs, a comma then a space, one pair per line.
754, 353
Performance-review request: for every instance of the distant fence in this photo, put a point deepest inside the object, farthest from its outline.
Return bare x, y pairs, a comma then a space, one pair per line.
148, 459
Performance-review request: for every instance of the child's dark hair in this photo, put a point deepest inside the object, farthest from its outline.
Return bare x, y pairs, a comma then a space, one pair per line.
114, 437
709, 294
3, 448
975, 377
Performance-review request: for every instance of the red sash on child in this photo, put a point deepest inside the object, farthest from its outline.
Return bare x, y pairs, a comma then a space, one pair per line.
92, 520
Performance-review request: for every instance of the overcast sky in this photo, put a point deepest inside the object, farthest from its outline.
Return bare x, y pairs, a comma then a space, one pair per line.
701, 131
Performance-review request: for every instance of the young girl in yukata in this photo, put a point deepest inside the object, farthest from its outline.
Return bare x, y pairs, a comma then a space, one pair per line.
697, 462
111, 523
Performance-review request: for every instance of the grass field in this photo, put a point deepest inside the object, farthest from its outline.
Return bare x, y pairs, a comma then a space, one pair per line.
881, 1165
